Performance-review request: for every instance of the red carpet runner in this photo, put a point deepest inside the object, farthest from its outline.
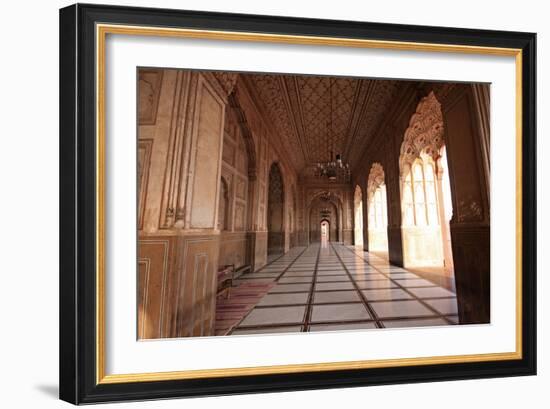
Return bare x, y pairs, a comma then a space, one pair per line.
230, 311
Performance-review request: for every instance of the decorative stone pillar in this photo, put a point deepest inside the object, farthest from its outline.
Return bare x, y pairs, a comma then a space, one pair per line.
469, 177
445, 228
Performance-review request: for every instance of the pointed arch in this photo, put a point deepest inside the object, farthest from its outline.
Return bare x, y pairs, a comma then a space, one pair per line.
377, 209
423, 174
246, 134
329, 206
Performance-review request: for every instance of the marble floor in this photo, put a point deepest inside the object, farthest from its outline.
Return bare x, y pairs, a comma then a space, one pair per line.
332, 287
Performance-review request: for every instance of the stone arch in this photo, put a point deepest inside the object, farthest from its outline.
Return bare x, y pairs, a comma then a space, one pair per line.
334, 204
246, 133
425, 134
422, 165
238, 172
325, 222
377, 209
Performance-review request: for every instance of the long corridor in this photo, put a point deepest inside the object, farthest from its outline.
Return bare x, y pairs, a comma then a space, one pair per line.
336, 287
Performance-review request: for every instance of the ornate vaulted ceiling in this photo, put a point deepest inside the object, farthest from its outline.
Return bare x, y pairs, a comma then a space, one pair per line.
316, 115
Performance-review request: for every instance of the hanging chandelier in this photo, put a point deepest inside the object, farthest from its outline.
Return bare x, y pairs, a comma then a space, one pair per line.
334, 169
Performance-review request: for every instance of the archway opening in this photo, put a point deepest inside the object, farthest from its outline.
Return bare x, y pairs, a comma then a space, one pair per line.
377, 208
358, 217
425, 191
235, 197
324, 207
325, 233
275, 212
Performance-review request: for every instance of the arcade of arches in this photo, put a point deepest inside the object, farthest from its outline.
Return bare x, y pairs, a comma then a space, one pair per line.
226, 179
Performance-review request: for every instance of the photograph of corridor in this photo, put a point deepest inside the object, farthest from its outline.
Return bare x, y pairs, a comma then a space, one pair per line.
283, 203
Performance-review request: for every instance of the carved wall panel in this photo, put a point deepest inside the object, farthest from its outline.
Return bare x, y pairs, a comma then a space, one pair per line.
228, 155
240, 188
145, 147
198, 258
177, 286
149, 86
469, 203
163, 133
233, 249
239, 224
234, 241
153, 270
209, 133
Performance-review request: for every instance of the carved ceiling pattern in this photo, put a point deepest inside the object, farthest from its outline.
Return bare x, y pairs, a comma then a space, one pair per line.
326, 108
271, 92
316, 115
375, 106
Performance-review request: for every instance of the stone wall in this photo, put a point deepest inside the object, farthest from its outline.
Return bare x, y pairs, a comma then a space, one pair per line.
181, 118
203, 148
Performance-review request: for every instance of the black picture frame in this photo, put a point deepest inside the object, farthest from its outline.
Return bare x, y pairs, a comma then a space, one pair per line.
78, 258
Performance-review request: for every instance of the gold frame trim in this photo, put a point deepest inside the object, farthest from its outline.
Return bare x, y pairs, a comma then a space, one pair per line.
102, 30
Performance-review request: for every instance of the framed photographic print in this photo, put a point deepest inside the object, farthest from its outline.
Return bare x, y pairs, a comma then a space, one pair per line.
257, 203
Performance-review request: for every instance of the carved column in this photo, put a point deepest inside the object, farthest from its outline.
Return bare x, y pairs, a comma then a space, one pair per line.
393, 192
347, 233
445, 228
469, 177
365, 198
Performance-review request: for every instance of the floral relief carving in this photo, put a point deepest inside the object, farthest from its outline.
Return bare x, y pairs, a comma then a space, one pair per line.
424, 134
149, 94
375, 180
227, 80
469, 210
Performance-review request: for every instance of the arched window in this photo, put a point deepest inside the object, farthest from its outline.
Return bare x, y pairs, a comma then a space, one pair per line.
430, 192
408, 201
425, 232
419, 195
378, 216
377, 208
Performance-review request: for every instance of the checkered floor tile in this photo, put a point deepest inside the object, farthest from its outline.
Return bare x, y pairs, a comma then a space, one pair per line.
335, 287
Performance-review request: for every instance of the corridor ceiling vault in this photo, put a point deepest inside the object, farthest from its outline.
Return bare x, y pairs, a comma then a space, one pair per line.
314, 119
